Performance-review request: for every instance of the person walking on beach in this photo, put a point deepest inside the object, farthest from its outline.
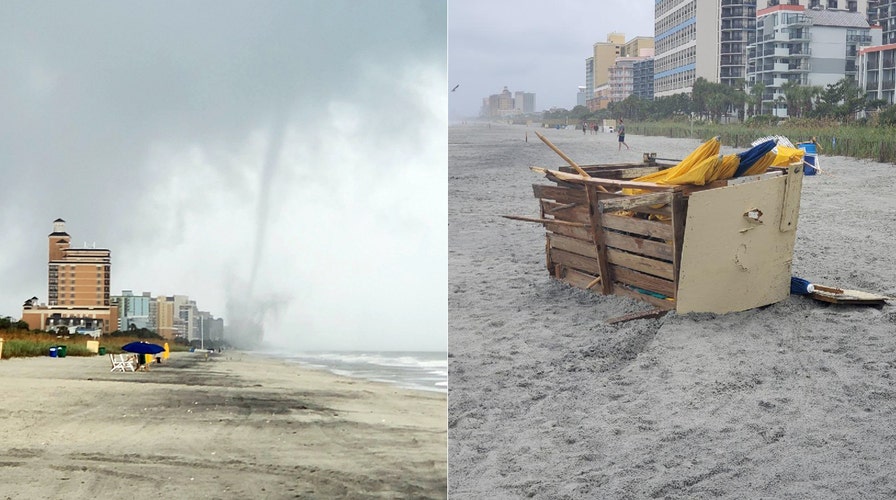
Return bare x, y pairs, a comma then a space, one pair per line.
621, 131
584, 128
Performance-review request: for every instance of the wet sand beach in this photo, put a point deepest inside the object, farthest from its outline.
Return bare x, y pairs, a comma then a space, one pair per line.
234, 427
546, 400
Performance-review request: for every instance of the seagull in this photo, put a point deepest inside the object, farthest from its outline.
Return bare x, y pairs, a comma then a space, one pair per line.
455, 87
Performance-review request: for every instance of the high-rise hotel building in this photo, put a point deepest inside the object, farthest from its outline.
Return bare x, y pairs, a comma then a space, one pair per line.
696, 38
77, 288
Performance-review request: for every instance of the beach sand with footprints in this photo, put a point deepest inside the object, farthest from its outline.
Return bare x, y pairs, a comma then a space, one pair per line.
547, 400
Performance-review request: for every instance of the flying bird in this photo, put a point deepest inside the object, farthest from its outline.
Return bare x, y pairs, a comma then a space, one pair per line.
455, 87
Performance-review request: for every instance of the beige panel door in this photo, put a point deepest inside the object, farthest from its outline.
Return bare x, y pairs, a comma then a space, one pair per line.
733, 257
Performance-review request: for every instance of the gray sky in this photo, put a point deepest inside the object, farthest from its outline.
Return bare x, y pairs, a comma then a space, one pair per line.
532, 46
188, 137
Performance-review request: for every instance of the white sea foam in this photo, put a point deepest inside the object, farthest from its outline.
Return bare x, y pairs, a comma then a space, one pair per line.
419, 370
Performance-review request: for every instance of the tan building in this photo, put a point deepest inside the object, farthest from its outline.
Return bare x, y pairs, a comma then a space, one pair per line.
165, 317
639, 46
77, 288
605, 54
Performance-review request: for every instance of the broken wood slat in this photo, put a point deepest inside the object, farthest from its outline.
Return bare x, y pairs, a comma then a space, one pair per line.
563, 207
632, 202
615, 172
560, 194
649, 228
649, 314
646, 209
679, 208
791, 209
547, 255
633, 244
645, 281
638, 263
562, 155
839, 296
597, 236
575, 261
577, 213
600, 183
577, 232
542, 221
579, 279
584, 248
624, 291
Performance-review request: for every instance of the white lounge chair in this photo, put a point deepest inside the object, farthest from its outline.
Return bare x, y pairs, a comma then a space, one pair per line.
120, 364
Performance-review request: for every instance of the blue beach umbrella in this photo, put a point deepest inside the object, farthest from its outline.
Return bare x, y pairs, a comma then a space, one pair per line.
752, 155
142, 348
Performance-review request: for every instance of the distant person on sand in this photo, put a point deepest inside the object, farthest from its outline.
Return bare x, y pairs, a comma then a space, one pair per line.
584, 127
621, 131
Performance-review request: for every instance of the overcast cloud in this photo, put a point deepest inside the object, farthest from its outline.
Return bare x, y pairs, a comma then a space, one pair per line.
191, 137
532, 46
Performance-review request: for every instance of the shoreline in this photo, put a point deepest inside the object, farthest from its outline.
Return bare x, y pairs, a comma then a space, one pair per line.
237, 426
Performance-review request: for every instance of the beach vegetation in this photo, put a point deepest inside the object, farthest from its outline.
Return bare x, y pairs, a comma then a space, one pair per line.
24, 343
843, 120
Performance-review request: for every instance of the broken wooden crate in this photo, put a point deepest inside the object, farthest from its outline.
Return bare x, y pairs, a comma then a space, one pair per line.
719, 248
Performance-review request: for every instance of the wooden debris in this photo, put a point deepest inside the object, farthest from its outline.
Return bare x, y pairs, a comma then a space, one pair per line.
544, 221
840, 296
652, 313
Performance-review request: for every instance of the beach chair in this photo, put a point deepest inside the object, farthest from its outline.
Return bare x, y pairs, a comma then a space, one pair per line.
119, 364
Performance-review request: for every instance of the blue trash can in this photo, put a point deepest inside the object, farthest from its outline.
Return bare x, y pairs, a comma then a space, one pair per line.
809, 158
52, 352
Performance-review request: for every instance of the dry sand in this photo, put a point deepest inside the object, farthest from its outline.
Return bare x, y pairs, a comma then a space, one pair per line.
794, 400
234, 427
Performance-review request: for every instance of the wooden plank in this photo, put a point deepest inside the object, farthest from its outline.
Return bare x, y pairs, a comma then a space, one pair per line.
560, 194
647, 209
598, 183
649, 314
543, 221
597, 235
650, 248
645, 281
624, 291
575, 261
649, 228
549, 263
584, 248
632, 202
578, 231
580, 280
563, 207
791, 209
577, 213
639, 263
679, 215
615, 171
854, 297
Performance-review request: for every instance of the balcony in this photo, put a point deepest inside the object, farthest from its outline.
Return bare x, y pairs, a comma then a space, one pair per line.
781, 68
781, 52
888, 85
